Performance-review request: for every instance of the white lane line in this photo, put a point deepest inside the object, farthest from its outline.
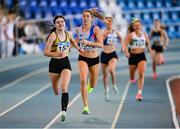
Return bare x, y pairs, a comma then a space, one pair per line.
76, 97
21, 65
173, 108
32, 95
22, 78
59, 114
120, 105
26, 99
124, 97
27, 76
124, 71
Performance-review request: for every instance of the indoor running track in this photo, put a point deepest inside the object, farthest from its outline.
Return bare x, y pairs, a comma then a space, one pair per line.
27, 100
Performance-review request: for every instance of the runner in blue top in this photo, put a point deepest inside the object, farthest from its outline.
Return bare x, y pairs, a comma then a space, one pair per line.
109, 57
89, 38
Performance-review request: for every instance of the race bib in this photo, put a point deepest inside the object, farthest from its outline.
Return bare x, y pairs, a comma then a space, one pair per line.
157, 39
111, 41
138, 44
85, 47
64, 47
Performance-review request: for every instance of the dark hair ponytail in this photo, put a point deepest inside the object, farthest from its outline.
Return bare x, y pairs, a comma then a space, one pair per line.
51, 31
130, 27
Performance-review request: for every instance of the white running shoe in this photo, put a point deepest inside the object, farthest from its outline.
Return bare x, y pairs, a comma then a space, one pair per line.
63, 116
115, 89
106, 94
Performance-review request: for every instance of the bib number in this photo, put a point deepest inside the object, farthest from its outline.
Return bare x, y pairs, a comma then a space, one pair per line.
63, 47
111, 41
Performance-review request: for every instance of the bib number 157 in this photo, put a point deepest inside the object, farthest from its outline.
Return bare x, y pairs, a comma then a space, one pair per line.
63, 47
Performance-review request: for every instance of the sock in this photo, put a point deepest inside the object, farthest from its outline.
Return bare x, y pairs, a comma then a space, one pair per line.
139, 91
106, 91
64, 101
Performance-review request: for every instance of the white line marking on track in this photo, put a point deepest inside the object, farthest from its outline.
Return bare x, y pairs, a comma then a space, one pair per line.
59, 114
76, 97
173, 109
29, 97
123, 99
120, 106
26, 99
22, 78
21, 65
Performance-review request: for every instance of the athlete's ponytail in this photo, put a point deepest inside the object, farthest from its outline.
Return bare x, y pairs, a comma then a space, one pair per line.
130, 27
51, 31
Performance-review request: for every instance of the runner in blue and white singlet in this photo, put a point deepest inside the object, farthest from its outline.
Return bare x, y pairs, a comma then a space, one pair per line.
109, 57
89, 38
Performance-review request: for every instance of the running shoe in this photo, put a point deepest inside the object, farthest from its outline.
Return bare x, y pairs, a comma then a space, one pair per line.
85, 110
139, 97
133, 81
154, 76
89, 88
63, 116
115, 89
106, 94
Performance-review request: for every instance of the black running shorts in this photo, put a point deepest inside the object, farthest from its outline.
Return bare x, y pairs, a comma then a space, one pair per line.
57, 65
136, 58
157, 48
106, 57
90, 61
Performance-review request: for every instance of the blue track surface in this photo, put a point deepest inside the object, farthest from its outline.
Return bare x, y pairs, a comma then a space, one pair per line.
27, 100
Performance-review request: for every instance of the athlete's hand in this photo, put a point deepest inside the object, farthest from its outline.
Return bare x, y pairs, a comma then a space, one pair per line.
127, 54
151, 54
164, 47
81, 50
122, 50
60, 54
85, 42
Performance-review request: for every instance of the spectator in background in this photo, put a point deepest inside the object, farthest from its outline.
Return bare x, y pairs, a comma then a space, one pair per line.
20, 36
32, 30
3, 20
9, 33
32, 33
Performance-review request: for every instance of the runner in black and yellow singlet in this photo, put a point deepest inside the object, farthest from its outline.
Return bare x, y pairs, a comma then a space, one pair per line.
57, 47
